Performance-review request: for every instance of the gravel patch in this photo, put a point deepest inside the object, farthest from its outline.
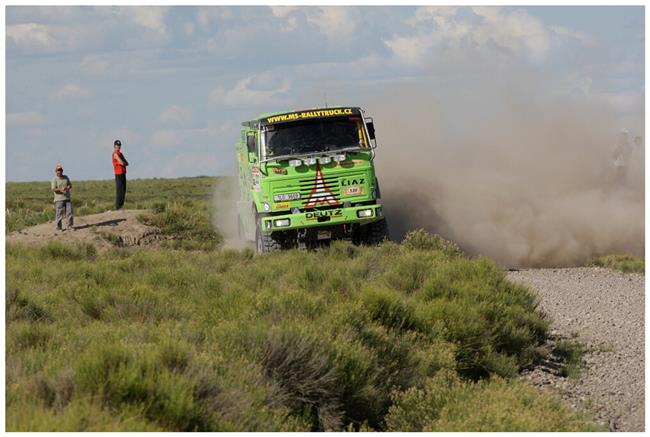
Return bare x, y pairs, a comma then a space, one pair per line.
602, 309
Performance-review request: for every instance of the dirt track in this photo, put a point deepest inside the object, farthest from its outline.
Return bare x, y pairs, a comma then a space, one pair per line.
603, 309
104, 230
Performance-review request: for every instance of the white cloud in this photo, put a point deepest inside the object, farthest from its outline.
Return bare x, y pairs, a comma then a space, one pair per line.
25, 119
46, 38
150, 17
252, 91
333, 21
165, 139
283, 11
30, 34
412, 49
290, 22
175, 114
462, 32
515, 30
433, 13
70, 90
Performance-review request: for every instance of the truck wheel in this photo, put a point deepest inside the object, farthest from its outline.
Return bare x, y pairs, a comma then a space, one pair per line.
265, 242
377, 232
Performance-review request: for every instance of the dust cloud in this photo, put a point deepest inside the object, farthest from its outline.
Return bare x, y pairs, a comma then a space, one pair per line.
510, 168
224, 217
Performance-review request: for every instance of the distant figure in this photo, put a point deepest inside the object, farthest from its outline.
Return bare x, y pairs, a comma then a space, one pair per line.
119, 165
621, 156
61, 187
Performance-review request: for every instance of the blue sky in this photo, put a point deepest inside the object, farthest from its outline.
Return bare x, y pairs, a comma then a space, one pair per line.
174, 83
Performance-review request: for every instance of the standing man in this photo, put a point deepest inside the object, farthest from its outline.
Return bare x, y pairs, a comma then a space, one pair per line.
61, 187
119, 165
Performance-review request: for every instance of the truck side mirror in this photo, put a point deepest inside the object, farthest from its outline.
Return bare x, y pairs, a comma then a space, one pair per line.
371, 129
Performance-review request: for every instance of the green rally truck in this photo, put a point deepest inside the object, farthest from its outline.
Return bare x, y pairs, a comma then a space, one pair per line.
307, 177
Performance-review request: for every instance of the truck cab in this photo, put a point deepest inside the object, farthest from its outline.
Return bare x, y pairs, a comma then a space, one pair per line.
307, 177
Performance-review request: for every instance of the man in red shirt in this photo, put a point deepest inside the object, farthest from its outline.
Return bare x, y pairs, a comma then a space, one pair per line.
119, 165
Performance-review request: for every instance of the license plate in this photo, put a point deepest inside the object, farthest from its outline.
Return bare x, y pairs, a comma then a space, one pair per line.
324, 235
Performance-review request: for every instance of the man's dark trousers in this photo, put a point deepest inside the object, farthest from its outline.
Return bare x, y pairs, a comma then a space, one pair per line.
120, 190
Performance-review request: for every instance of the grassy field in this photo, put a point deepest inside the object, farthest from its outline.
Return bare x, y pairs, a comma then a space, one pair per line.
31, 203
400, 337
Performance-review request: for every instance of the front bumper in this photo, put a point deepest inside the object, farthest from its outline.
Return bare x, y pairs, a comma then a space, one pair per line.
328, 217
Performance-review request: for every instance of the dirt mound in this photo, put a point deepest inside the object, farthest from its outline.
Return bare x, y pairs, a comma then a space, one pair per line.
108, 229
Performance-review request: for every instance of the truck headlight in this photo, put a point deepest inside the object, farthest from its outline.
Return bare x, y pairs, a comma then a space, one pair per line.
339, 157
267, 224
281, 223
295, 162
325, 160
364, 213
310, 161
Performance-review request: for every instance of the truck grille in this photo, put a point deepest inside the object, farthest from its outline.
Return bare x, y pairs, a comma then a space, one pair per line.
331, 182
306, 185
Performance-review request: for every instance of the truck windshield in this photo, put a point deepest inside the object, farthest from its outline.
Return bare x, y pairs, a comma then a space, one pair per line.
315, 136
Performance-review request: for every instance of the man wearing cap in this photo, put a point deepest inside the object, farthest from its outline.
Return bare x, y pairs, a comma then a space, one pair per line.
61, 186
119, 165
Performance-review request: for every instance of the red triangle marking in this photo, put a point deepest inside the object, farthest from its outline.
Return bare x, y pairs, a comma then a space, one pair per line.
320, 194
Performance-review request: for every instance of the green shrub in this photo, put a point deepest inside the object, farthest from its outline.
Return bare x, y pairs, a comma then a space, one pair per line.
81, 415
20, 307
419, 239
223, 340
119, 376
408, 272
446, 404
624, 263
174, 355
187, 225
26, 335
571, 354
390, 310
56, 393
303, 371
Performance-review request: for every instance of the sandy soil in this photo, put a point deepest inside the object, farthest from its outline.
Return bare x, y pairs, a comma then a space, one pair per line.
104, 230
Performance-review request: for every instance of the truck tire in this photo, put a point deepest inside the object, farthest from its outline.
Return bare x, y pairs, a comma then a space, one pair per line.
265, 242
377, 232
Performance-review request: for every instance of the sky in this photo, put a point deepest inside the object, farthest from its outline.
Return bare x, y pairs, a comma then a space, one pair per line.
175, 83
